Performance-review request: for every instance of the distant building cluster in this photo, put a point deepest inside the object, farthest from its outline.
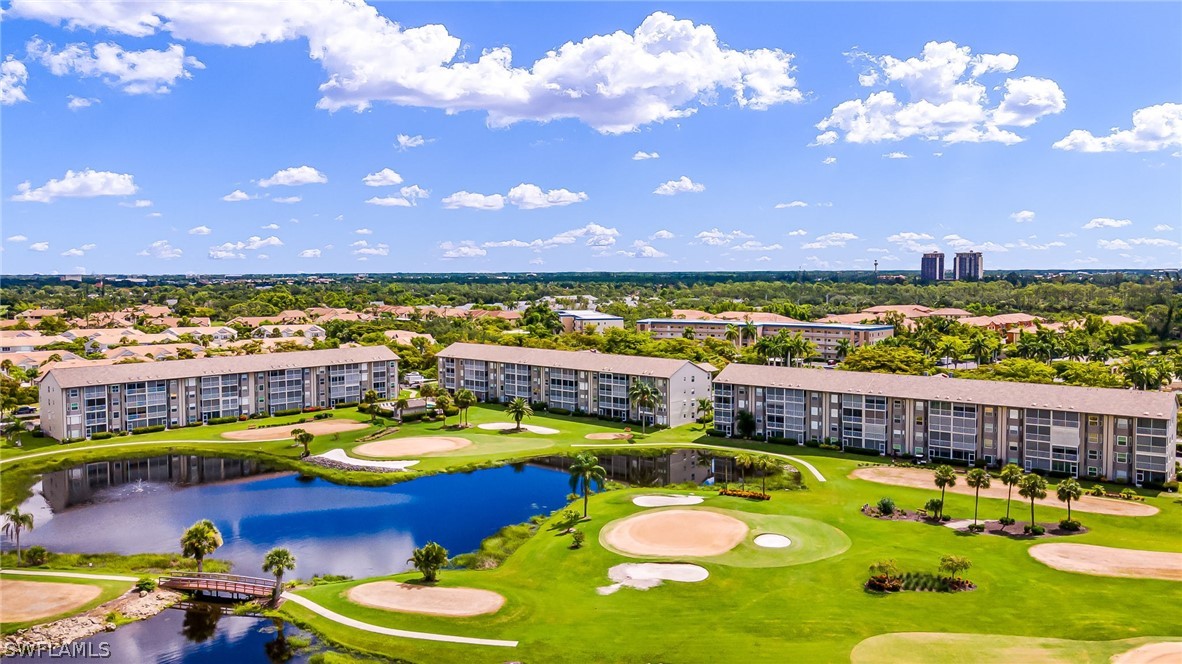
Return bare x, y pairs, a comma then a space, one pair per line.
966, 266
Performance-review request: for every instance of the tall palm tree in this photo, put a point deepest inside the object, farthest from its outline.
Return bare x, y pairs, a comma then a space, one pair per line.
766, 467
750, 331
645, 396
980, 348
401, 403
200, 540
843, 348
733, 335
585, 475
1032, 487
744, 462
705, 410
1067, 491
945, 477
518, 408
688, 333
277, 561
1010, 475
978, 479
465, 399
14, 522
428, 560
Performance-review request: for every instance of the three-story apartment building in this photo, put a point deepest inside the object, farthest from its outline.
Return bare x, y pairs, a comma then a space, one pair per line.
825, 336
1080, 431
80, 401
579, 381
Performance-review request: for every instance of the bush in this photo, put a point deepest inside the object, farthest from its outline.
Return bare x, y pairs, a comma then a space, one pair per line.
977, 527
577, 539
346, 404
829, 446
538, 406
287, 411
102, 435
36, 555
812, 443
1171, 486
145, 584
934, 506
715, 433
884, 584
862, 451
1007, 521
739, 493
151, 429
1070, 525
886, 506
412, 417
1034, 530
560, 411
221, 420
38, 433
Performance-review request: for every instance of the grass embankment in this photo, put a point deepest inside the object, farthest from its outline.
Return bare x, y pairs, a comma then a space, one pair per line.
109, 591
115, 563
817, 611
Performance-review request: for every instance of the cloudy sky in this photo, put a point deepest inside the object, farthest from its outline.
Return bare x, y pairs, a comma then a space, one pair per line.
332, 135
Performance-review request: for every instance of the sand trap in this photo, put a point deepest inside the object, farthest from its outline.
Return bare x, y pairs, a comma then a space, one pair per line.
317, 428
608, 436
675, 532
1108, 561
21, 601
338, 455
772, 541
643, 576
922, 479
412, 446
508, 426
665, 501
430, 600
1152, 653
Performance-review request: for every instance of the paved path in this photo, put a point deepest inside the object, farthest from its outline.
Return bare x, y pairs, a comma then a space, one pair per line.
796, 460
71, 575
158, 443
390, 631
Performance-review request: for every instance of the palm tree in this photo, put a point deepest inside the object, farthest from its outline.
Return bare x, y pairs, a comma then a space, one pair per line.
585, 475
1032, 487
401, 403
978, 479
750, 330
843, 348
303, 438
733, 335
443, 402
945, 477
644, 396
200, 540
1010, 475
744, 462
705, 410
765, 467
688, 333
1067, 491
277, 561
428, 560
370, 398
465, 399
14, 522
517, 409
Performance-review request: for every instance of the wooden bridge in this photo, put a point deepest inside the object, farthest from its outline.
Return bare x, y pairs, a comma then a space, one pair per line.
230, 584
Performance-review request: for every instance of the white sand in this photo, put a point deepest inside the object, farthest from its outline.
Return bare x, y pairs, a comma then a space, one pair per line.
316, 428
674, 533
665, 501
410, 446
772, 541
643, 576
339, 456
507, 426
1109, 561
430, 600
22, 601
1152, 653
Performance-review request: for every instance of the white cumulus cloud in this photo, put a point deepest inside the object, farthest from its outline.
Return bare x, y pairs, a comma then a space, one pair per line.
39, 246
465, 249
829, 161
896, 155
1023, 216
287, 199
237, 195
309, 253
200, 230
81, 184
1106, 222
161, 249
1163, 228
389, 201
792, 204
135, 72
1154, 128
717, 238
829, 240
642, 155
467, 199
662, 235
383, 178
17, 238
294, 177
531, 197
681, 185
404, 142
13, 77
78, 103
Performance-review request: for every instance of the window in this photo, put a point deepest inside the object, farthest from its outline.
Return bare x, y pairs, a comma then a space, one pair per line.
114, 389
1122, 440
1122, 457
1093, 455
1093, 420
1093, 471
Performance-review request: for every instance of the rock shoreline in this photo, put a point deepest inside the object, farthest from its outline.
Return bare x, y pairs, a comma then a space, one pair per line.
132, 605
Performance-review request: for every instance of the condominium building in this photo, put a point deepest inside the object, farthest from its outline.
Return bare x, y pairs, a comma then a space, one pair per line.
1079, 431
931, 266
824, 335
80, 401
579, 381
582, 320
968, 265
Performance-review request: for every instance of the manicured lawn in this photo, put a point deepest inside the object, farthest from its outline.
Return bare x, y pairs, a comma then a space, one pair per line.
815, 611
110, 590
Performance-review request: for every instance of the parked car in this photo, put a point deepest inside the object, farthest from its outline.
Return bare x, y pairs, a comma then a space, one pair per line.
26, 410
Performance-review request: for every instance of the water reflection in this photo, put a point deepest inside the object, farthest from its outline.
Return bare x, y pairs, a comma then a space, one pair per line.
676, 467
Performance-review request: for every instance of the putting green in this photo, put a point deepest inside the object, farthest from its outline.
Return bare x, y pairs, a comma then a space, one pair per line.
937, 648
811, 540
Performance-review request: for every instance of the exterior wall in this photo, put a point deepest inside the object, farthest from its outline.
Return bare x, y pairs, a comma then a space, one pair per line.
579, 324
83, 411
1073, 443
824, 336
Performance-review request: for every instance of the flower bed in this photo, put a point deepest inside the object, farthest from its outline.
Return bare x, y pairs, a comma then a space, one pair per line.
742, 493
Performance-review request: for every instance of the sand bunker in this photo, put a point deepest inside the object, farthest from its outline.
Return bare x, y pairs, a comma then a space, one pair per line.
412, 446
922, 479
674, 533
339, 456
772, 541
643, 576
665, 501
1152, 653
507, 426
608, 436
1108, 561
430, 600
318, 428
21, 601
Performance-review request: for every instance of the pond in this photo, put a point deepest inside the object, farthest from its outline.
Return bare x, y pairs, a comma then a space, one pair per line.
143, 505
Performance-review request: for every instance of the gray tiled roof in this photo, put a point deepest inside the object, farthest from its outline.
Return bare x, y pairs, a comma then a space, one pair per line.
580, 360
213, 366
1100, 401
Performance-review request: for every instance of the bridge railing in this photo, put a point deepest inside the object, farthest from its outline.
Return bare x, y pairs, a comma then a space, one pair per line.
214, 577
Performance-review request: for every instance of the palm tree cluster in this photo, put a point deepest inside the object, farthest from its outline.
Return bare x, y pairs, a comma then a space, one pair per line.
464, 400
785, 347
1150, 373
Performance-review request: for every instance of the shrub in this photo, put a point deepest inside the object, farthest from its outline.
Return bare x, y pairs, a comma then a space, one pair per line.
715, 433
1007, 521
812, 443
1097, 490
568, 518
862, 451
1070, 525
538, 406
1033, 530
221, 420
560, 411
38, 433
934, 506
412, 417
287, 411
829, 446
738, 493
151, 429
243, 418
577, 539
36, 555
145, 584
977, 527
1171, 486
102, 435
346, 404
886, 506
1128, 494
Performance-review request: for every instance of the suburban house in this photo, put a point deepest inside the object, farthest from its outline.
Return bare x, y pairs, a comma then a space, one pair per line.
34, 316
306, 331
582, 320
223, 333
578, 381
79, 401
1079, 431
405, 337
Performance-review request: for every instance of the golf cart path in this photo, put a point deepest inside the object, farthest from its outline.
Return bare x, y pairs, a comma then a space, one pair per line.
70, 575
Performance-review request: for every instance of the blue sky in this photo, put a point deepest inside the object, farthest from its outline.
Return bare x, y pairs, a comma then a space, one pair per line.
796, 134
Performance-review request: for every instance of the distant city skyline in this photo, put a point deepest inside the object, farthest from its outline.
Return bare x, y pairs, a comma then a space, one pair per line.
156, 138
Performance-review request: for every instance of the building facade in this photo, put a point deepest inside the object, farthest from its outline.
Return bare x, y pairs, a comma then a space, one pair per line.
824, 335
581, 320
931, 266
578, 381
968, 265
80, 401
1079, 431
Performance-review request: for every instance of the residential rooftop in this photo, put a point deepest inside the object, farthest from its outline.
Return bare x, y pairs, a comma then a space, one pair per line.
581, 360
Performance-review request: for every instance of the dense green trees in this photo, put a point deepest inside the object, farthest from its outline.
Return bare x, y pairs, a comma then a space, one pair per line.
886, 358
